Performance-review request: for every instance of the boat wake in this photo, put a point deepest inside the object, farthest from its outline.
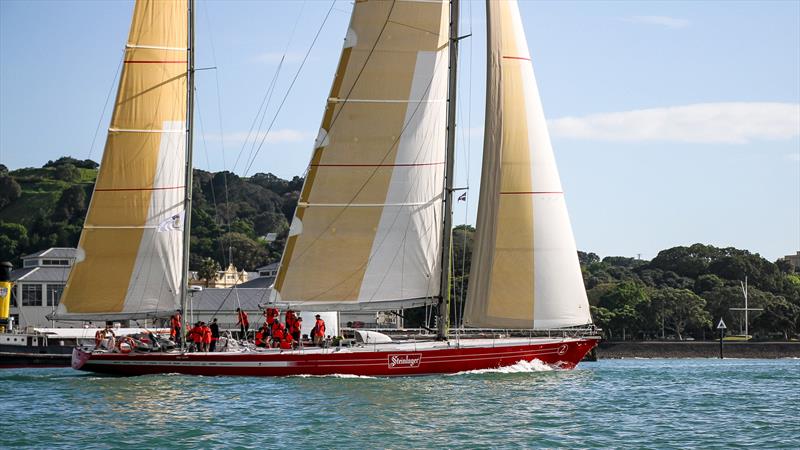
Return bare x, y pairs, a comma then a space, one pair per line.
334, 375
520, 367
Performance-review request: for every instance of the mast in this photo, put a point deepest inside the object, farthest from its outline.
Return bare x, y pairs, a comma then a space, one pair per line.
443, 310
187, 201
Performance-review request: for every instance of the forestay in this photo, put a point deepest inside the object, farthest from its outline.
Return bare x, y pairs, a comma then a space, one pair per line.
525, 271
367, 229
128, 259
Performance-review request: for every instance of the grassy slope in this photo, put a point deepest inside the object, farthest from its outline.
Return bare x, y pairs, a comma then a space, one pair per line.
39, 192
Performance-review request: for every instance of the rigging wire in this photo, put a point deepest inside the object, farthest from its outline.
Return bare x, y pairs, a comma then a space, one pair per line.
226, 217
267, 98
464, 276
208, 162
289, 89
105, 105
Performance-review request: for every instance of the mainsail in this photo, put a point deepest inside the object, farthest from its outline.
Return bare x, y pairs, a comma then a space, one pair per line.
525, 271
367, 229
129, 256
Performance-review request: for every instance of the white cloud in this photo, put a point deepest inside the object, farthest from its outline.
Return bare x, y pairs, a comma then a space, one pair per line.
728, 123
664, 21
281, 136
793, 157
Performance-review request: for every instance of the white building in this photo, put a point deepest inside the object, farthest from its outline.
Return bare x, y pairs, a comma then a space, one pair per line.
794, 260
38, 285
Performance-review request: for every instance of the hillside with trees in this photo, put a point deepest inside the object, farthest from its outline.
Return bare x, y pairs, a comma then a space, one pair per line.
231, 216
681, 293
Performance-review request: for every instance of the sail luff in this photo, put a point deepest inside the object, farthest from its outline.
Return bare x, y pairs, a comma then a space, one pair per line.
126, 264
367, 224
525, 271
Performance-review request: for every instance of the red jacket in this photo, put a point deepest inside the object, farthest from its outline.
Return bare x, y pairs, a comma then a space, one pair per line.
278, 330
320, 327
196, 334
243, 319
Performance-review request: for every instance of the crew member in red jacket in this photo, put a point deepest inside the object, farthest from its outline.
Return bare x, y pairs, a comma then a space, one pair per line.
296, 329
278, 332
318, 333
244, 323
287, 343
290, 319
196, 335
206, 336
272, 314
175, 328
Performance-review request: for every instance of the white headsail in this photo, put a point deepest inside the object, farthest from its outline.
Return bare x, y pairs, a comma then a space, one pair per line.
525, 271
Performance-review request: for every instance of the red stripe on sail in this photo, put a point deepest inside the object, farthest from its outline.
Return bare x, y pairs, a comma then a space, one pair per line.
155, 62
378, 165
139, 189
530, 192
517, 57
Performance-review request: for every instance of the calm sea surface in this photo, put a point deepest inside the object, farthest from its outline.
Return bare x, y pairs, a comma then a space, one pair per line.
612, 403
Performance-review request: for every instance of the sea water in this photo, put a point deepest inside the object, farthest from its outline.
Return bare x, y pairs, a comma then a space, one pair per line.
690, 403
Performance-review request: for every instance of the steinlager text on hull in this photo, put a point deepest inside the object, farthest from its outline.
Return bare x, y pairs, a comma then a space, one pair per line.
395, 359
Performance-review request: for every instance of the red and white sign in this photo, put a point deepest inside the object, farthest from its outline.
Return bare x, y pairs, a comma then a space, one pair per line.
405, 361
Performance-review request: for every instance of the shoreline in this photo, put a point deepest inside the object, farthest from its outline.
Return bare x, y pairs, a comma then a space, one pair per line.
695, 349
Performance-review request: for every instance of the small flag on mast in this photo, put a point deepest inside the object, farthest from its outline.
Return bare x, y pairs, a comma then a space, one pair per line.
462, 197
173, 223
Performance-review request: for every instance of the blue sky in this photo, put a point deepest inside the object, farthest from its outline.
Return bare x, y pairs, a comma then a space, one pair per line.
672, 122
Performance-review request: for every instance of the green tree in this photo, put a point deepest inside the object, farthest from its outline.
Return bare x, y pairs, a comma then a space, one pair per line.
68, 173
463, 237
71, 204
247, 253
13, 241
208, 270
678, 309
779, 315
9, 190
626, 303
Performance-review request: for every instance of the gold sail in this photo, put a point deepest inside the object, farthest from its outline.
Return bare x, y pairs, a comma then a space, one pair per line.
525, 271
368, 224
128, 260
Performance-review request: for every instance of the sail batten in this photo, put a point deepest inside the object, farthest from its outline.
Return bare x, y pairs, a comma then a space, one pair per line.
127, 263
525, 271
367, 226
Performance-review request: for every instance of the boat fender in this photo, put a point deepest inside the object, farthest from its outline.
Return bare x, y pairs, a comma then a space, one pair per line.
126, 344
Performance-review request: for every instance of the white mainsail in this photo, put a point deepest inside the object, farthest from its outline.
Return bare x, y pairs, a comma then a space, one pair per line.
129, 256
525, 271
367, 229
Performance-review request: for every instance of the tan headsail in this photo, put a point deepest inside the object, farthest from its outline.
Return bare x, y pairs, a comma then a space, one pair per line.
129, 254
525, 271
368, 224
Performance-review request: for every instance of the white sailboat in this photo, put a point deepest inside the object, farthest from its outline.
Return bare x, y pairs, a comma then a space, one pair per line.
372, 226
